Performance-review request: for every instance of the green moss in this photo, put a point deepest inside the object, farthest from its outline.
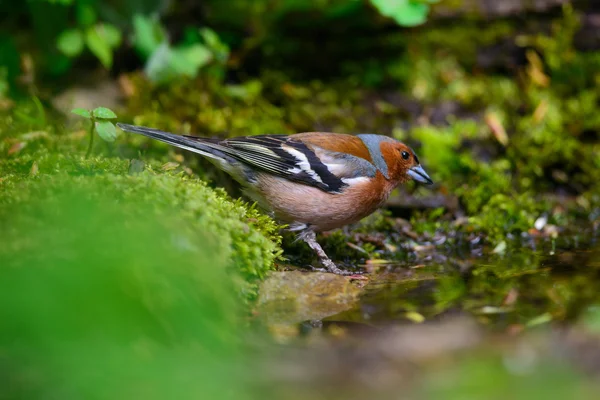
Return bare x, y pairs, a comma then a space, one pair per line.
247, 239
483, 187
50, 162
548, 113
503, 214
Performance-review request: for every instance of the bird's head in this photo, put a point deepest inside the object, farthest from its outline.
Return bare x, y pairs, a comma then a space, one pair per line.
403, 163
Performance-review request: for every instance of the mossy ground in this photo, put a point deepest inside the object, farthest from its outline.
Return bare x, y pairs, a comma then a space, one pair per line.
41, 164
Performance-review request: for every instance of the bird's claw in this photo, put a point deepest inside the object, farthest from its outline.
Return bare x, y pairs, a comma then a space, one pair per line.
334, 269
315, 269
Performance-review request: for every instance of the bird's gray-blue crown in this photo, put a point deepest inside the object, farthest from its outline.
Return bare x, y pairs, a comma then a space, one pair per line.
373, 143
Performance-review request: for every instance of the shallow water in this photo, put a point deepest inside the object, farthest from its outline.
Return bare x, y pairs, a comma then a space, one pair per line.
521, 324
500, 290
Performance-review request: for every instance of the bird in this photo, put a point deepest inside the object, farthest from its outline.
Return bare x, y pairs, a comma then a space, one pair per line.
313, 181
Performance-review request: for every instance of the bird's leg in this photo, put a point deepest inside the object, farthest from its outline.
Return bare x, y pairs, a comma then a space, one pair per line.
310, 238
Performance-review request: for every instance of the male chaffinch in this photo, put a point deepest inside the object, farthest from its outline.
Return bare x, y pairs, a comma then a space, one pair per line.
312, 181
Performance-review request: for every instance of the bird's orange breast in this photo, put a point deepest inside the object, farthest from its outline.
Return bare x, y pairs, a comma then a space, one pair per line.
292, 202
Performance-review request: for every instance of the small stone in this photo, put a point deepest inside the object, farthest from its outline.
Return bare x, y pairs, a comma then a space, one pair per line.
541, 222
295, 296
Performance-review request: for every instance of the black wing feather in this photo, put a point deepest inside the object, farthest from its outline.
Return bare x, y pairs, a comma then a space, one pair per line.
265, 152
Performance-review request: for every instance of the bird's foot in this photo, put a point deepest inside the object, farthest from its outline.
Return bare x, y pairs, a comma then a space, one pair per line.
334, 269
310, 238
315, 269
358, 275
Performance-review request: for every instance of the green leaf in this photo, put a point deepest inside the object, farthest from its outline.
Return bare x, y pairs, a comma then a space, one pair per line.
404, 12
82, 112
99, 46
106, 130
85, 13
196, 56
167, 63
111, 34
219, 49
70, 42
148, 35
158, 68
104, 113
187, 61
210, 37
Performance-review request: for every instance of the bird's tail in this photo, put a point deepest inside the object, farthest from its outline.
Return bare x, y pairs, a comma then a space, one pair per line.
202, 146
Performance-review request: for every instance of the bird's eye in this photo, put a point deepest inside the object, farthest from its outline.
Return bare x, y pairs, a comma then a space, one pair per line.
405, 155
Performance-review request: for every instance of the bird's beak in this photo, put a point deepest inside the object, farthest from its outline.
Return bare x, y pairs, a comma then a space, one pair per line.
418, 174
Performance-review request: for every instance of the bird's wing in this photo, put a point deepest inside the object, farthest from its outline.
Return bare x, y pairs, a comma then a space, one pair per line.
283, 156
296, 157
346, 156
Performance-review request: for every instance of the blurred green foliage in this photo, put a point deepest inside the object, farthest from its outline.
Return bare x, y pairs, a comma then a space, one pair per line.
63, 32
102, 299
491, 375
404, 12
166, 63
100, 39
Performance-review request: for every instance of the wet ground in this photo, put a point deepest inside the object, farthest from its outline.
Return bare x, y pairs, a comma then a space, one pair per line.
522, 324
